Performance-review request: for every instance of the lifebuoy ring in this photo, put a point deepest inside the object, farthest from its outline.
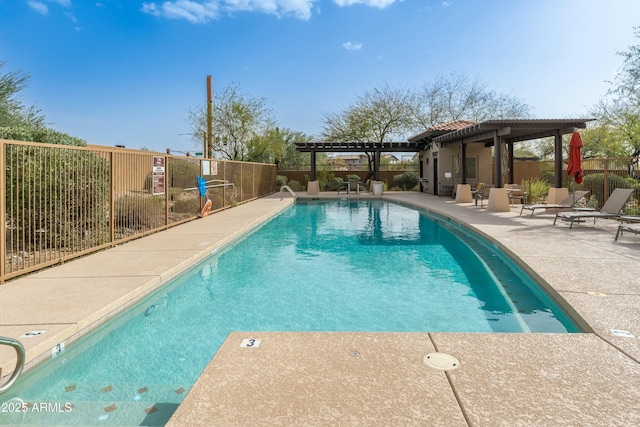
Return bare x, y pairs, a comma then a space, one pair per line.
206, 208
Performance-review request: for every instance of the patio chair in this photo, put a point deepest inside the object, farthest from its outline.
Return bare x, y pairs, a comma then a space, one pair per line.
633, 225
611, 209
446, 190
482, 193
518, 193
352, 185
478, 188
564, 204
343, 186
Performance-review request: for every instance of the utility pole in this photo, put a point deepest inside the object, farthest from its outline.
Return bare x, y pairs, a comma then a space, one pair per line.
209, 147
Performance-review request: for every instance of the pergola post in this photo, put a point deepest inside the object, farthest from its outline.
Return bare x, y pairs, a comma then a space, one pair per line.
463, 162
312, 176
510, 163
558, 159
376, 165
497, 160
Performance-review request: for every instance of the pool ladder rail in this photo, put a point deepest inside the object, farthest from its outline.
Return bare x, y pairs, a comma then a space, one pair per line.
17, 345
289, 189
217, 183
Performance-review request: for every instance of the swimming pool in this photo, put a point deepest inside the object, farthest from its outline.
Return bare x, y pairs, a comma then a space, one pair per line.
319, 266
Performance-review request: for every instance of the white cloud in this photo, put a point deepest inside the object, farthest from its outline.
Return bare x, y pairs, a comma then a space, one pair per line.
39, 7
380, 4
198, 11
192, 11
352, 46
300, 9
42, 8
446, 4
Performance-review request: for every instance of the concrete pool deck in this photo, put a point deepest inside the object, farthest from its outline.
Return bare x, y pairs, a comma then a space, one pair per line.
377, 378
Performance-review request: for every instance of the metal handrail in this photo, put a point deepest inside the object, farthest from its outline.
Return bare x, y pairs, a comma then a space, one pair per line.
289, 189
19, 364
214, 183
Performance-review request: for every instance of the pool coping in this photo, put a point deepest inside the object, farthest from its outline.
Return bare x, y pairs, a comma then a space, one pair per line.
612, 365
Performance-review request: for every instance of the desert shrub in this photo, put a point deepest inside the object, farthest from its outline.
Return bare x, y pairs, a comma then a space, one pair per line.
190, 205
39, 134
138, 212
536, 189
182, 173
296, 186
406, 181
280, 181
325, 179
57, 193
334, 184
595, 184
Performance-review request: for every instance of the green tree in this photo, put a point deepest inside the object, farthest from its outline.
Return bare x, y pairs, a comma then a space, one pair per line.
618, 113
238, 120
39, 134
12, 111
21, 123
43, 179
458, 97
278, 146
378, 115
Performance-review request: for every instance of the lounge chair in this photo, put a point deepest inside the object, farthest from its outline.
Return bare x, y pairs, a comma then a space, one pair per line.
611, 209
633, 227
564, 204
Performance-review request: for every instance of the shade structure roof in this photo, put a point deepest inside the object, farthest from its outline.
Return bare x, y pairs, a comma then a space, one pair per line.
511, 130
440, 129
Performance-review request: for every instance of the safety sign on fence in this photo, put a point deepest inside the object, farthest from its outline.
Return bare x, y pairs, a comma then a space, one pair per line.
158, 175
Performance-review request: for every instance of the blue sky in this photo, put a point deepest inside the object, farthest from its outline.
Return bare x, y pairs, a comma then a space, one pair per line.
127, 71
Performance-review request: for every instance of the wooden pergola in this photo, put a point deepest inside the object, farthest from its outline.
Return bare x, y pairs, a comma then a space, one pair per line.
377, 148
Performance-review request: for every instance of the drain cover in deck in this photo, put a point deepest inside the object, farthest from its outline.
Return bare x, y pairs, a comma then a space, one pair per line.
441, 361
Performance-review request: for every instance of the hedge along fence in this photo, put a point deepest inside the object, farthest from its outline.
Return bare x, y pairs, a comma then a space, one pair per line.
60, 202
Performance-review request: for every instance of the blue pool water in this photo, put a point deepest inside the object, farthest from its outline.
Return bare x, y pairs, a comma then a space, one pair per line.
319, 266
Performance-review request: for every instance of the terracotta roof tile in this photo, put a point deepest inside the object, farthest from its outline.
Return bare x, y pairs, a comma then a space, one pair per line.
451, 126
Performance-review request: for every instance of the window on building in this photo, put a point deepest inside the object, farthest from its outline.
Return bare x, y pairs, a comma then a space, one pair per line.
472, 167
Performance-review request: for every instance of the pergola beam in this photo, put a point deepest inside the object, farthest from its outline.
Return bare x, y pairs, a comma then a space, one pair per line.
483, 136
349, 147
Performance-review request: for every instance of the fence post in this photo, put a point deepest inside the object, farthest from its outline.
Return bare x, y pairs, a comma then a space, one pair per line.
605, 191
3, 210
166, 190
112, 197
